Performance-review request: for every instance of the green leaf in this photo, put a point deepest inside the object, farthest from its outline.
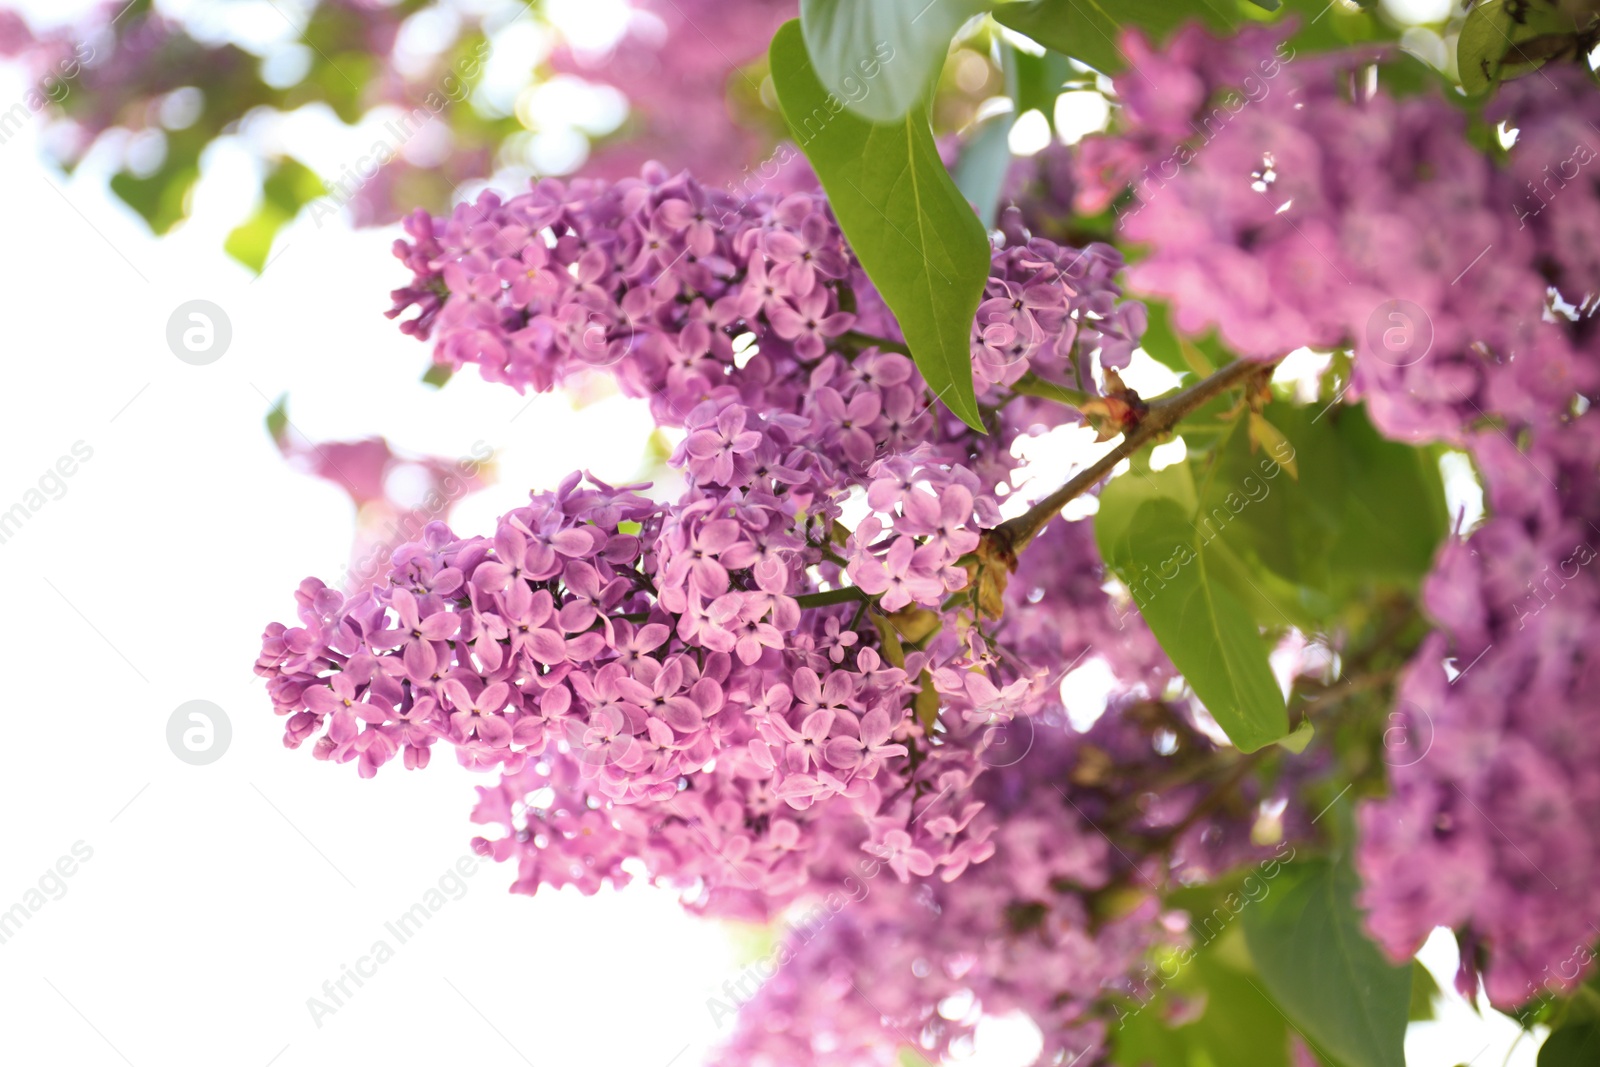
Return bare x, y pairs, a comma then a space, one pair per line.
1087, 30
287, 187
1170, 348
1297, 741
1205, 629
437, 375
1394, 511
290, 185
1423, 990
1306, 939
162, 198
1364, 511
1234, 1015
1483, 40
1501, 40
278, 419
1572, 1046
914, 233
879, 56
1266, 436
1121, 498
250, 242
342, 80
1035, 81
981, 171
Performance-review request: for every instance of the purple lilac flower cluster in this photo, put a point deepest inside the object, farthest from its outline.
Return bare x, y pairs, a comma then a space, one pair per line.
661, 279
1059, 924
728, 691
1310, 212
1311, 209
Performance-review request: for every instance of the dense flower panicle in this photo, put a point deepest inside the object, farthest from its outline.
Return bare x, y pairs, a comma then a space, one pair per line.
1307, 212
1555, 191
730, 692
1053, 310
778, 691
1505, 800
1300, 216
1057, 924
661, 279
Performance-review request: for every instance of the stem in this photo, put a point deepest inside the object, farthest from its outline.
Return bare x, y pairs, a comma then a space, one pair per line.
1341, 692
1164, 413
854, 341
1031, 384
831, 596
833, 557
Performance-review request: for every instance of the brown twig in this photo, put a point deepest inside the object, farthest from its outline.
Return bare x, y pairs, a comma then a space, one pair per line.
1014, 535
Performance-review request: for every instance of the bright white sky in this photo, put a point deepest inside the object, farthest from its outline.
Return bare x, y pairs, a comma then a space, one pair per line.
219, 898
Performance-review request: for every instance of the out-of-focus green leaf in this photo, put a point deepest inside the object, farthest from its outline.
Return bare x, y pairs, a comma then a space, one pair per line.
1267, 437
438, 374
161, 199
291, 185
278, 419
1087, 30
1423, 990
1034, 81
1572, 1046
250, 242
1484, 38
1301, 736
1236, 1022
1314, 958
913, 231
1170, 348
981, 170
288, 186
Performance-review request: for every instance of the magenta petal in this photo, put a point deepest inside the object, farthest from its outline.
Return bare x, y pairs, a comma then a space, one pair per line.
494, 697
547, 646
683, 716
491, 576
495, 730
419, 659
441, 626
843, 752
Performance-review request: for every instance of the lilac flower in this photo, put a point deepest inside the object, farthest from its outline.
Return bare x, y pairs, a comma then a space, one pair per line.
476, 716
806, 321
900, 577
712, 451
415, 633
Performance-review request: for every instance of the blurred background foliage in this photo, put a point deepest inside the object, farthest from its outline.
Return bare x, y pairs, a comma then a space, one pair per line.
440, 97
